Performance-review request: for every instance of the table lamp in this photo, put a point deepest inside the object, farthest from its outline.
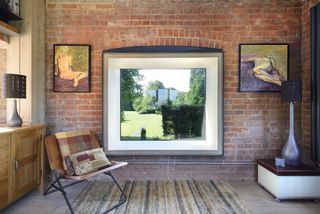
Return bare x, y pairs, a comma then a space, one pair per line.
291, 92
14, 86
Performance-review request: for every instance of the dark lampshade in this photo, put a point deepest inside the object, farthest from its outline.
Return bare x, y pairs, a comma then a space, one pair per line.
292, 91
14, 86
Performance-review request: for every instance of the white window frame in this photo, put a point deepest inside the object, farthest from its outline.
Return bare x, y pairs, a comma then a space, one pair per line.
212, 62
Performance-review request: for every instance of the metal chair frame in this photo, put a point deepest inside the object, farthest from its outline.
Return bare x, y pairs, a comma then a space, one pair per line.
55, 161
61, 188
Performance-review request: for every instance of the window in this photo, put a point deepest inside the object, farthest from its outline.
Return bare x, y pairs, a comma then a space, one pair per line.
157, 103
162, 104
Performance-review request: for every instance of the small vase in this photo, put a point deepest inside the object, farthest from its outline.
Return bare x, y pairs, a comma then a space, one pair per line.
291, 150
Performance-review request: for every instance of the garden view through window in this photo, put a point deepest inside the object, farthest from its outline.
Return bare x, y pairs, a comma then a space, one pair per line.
162, 104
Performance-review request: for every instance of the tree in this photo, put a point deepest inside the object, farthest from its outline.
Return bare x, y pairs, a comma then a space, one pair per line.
155, 85
197, 93
137, 104
182, 99
130, 88
145, 104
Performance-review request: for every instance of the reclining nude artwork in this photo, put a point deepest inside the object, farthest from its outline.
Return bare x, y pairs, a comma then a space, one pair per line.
265, 69
72, 68
66, 72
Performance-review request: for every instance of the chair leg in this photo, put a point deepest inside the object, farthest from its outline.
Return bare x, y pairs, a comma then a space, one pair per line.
46, 192
61, 189
52, 185
123, 197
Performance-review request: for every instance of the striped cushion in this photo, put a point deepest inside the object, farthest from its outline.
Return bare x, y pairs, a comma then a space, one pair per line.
72, 142
85, 162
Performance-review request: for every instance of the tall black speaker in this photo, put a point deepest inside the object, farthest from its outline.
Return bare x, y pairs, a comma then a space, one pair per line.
315, 82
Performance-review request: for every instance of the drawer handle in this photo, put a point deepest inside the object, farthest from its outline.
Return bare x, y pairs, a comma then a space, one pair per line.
16, 164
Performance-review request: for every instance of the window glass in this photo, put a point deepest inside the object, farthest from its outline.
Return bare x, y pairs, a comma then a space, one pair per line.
162, 104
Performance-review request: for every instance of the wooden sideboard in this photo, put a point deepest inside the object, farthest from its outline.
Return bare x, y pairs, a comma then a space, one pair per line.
21, 161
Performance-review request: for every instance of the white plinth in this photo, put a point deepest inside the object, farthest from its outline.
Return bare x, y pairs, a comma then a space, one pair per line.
289, 187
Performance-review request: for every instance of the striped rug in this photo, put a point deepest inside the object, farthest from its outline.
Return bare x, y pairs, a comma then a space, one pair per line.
167, 197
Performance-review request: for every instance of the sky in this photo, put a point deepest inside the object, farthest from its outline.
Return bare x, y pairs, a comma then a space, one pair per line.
175, 78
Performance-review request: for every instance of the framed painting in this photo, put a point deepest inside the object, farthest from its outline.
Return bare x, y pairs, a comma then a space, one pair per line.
72, 68
262, 67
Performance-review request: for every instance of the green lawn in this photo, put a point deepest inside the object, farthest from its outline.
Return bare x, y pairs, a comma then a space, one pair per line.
131, 127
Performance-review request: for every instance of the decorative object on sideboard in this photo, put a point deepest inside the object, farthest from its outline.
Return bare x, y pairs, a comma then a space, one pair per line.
72, 68
14, 86
10, 4
9, 10
262, 67
292, 92
15, 7
4, 4
6, 20
315, 83
280, 162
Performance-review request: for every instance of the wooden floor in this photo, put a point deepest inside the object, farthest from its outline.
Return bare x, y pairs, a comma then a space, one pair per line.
259, 200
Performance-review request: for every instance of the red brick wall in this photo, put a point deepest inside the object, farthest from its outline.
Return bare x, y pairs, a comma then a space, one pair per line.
255, 123
305, 75
3, 69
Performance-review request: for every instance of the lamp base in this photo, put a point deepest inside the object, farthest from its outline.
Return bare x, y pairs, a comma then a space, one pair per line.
15, 119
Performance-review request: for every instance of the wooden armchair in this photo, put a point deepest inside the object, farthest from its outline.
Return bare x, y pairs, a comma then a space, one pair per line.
56, 165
